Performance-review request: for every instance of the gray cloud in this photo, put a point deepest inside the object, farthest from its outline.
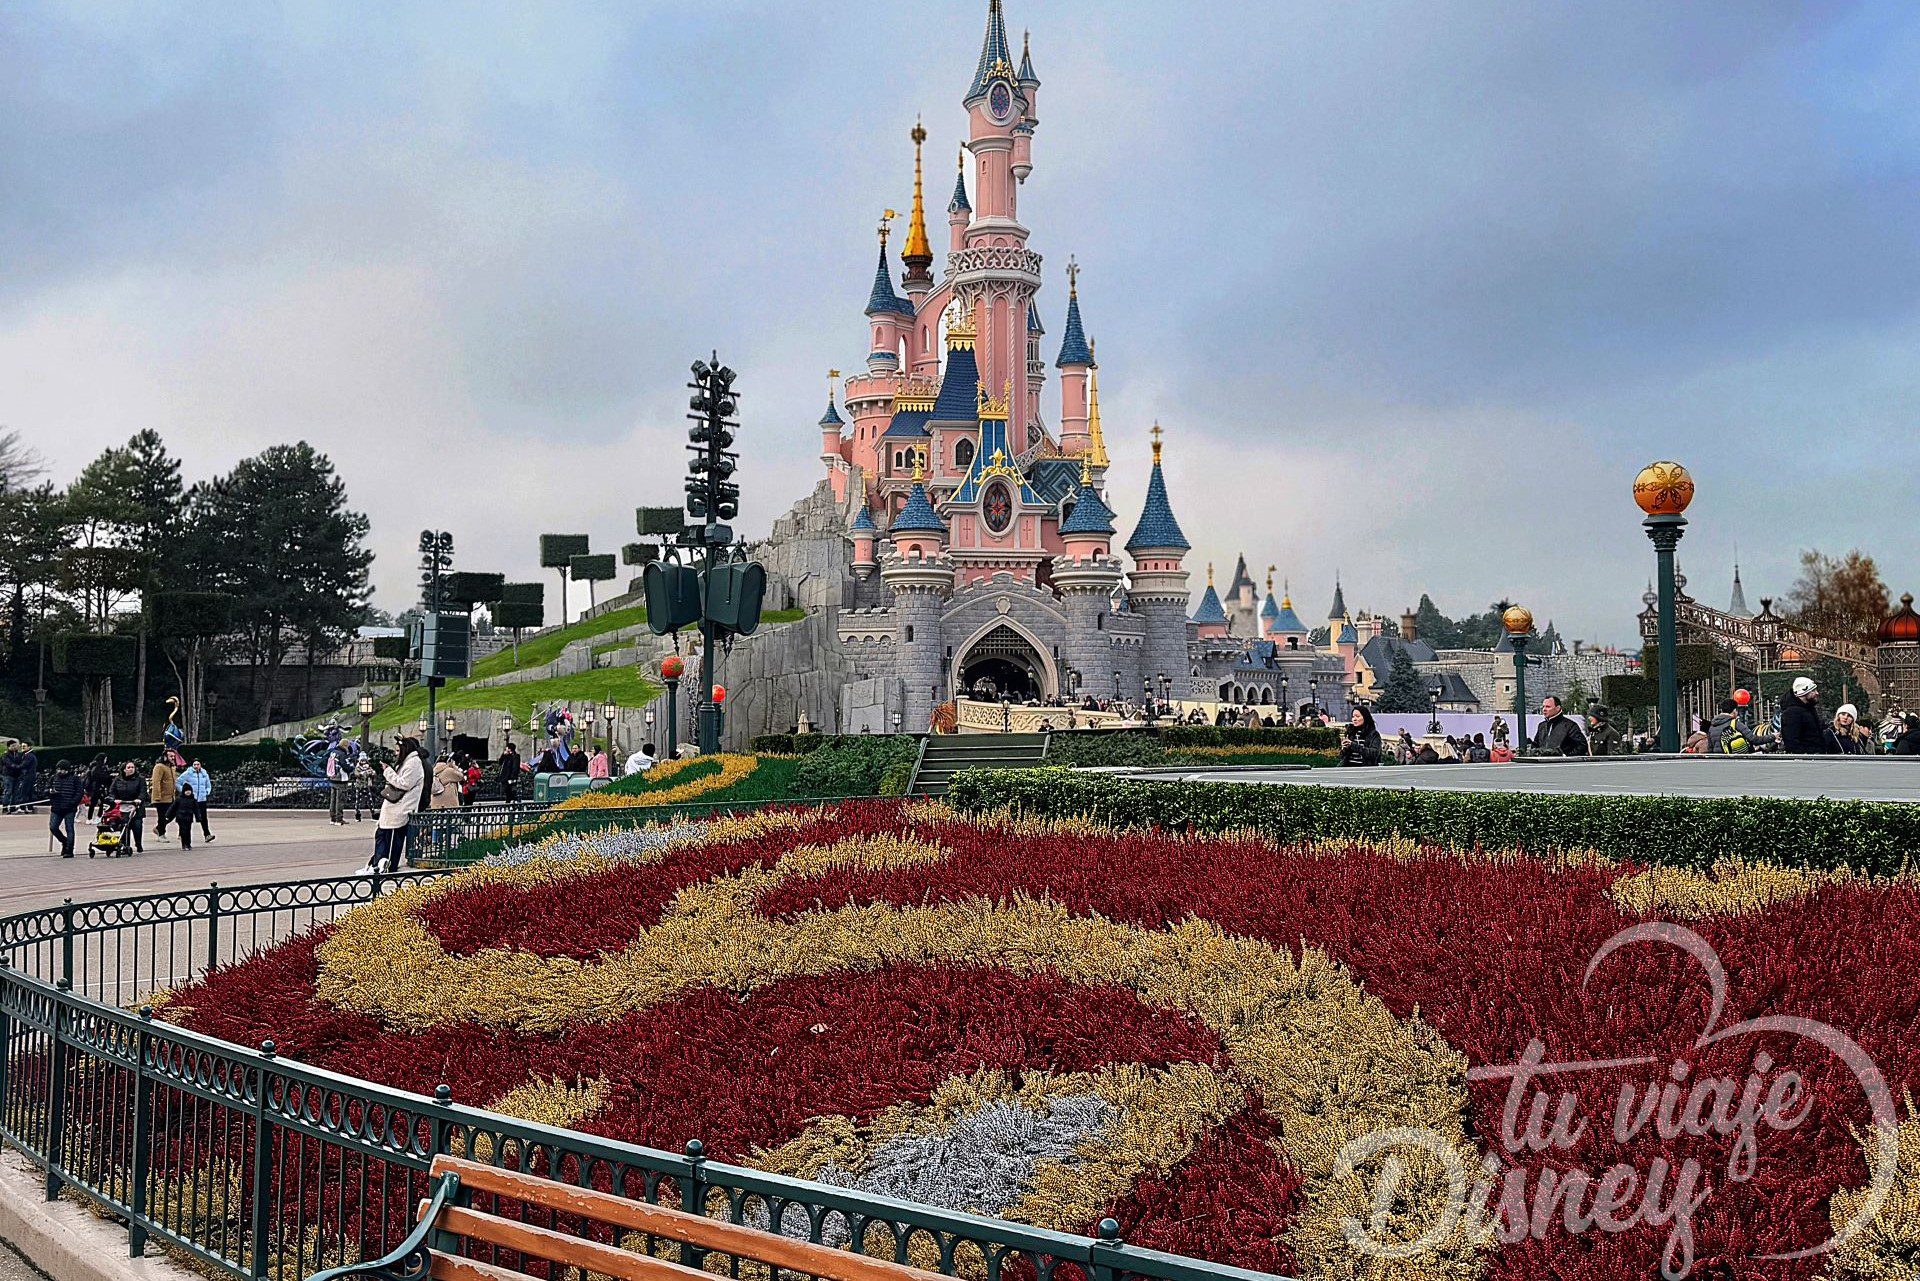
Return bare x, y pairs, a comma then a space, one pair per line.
1416, 288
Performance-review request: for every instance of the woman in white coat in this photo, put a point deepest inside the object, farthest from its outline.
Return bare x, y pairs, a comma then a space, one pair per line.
406, 780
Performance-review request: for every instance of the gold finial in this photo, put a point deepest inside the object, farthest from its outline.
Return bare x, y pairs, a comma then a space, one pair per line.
960, 330
917, 253
963, 157
886, 216
1073, 277
1209, 573
833, 380
1156, 442
1096, 442
1086, 471
919, 466
1270, 570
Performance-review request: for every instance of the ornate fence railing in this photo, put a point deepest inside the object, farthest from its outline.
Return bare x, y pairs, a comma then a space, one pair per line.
258, 1166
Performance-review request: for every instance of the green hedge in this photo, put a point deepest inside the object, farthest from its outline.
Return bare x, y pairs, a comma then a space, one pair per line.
1869, 836
217, 757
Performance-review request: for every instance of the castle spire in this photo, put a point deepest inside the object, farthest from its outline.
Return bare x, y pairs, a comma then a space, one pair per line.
1073, 343
1157, 530
996, 59
1096, 443
917, 253
1738, 605
959, 204
883, 299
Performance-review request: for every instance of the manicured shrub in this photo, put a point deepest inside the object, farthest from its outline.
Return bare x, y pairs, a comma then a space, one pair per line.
854, 765
1868, 836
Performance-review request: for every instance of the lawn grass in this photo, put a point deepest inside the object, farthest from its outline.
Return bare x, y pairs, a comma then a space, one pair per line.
546, 647
623, 685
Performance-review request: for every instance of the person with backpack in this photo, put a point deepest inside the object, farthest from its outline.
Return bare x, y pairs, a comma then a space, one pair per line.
1734, 733
1603, 737
339, 781
99, 779
1477, 751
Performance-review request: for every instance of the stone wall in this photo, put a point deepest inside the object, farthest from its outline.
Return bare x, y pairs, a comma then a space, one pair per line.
808, 558
774, 675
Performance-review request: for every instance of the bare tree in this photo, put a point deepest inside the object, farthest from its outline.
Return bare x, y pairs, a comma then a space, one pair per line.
1838, 595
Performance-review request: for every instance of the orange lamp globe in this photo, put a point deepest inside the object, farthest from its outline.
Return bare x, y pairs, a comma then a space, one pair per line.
1742, 697
719, 693
673, 667
1663, 489
1518, 620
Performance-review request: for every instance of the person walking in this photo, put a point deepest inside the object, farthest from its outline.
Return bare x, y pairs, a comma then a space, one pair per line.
1802, 729
339, 782
99, 778
509, 773
1731, 734
1361, 745
195, 786
69, 788
128, 789
471, 785
1849, 735
1603, 736
1559, 734
202, 792
448, 779
406, 781
29, 782
598, 766
163, 786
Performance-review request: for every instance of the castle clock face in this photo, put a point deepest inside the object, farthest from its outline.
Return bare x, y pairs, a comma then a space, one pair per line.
1000, 100
997, 509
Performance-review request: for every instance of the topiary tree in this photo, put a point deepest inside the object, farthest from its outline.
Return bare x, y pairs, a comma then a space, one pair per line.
591, 570
557, 552
95, 657
521, 605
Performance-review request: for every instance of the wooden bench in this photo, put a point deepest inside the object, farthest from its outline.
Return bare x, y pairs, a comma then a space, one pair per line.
428, 1249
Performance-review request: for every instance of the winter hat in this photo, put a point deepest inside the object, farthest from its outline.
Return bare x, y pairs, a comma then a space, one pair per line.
1848, 709
1803, 685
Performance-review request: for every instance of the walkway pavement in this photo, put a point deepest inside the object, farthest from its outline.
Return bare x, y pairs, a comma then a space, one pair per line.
1886, 778
252, 845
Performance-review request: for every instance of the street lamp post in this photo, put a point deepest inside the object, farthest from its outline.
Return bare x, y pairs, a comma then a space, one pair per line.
1433, 710
1518, 620
672, 667
1313, 692
607, 711
1116, 684
1663, 490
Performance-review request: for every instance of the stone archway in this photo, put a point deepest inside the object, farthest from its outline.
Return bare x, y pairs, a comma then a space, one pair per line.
1004, 659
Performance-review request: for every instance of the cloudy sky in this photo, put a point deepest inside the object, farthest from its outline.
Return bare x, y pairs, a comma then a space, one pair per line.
1414, 288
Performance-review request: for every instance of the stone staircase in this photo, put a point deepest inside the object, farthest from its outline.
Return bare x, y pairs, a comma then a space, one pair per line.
947, 754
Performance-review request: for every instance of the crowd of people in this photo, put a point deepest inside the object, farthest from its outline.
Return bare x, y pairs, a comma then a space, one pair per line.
175, 790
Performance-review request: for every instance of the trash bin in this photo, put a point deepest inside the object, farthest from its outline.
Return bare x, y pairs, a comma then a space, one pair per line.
541, 787
578, 784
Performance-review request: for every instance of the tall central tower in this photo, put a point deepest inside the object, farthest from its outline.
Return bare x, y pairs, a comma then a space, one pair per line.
995, 275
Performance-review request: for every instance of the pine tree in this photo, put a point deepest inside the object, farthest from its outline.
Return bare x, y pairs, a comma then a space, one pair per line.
1404, 690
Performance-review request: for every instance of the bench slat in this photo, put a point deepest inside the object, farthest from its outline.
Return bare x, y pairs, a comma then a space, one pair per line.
575, 1252
451, 1267
679, 1225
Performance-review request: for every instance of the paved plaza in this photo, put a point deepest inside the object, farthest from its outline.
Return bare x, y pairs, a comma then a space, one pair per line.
1839, 778
260, 845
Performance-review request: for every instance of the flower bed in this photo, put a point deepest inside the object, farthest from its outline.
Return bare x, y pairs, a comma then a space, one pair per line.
1051, 1021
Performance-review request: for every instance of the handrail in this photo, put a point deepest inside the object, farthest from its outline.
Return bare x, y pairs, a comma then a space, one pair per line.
260, 1166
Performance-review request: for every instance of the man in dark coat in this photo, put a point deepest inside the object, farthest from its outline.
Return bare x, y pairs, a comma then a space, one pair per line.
1802, 728
63, 802
1559, 734
1603, 737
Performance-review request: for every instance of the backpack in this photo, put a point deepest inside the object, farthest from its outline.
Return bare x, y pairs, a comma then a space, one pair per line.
1734, 740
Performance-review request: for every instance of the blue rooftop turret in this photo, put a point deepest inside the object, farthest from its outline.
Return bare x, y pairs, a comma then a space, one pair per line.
863, 521
1033, 320
832, 417
1210, 610
883, 300
918, 516
1073, 343
1090, 514
996, 57
1157, 529
1270, 611
1027, 79
959, 203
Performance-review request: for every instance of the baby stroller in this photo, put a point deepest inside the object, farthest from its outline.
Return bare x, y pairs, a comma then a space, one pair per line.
110, 838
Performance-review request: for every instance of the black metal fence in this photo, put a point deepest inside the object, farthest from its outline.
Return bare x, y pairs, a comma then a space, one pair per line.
256, 1166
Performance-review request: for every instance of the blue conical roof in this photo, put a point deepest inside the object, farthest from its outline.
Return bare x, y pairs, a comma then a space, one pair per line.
959, 399
832, 417
1210, 609
1270, 610
1033, 321
959, 202
1157, 527
863, 521
996, 58
1090, 514
883, 299
1288, 621
1027, 78
1339, 608
918, 516
1073, 344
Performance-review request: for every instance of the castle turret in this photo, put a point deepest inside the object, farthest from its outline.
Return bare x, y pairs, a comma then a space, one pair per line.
1029, 85
863, 532
1158, 584
1086, 575
831, 424
1269, 611
888, 314
1210, 617
959, 211
920, 575
1074, 363
1242, 602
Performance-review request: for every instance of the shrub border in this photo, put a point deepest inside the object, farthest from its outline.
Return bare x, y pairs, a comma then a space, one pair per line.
1875, 837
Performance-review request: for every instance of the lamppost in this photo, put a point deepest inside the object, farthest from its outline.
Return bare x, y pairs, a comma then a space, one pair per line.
436, 555
40, 705
1663, 491
1313, 692
1116, 684
1433, 710
1166, 688
1285, 718
672, 667
897, 718
1518, 620
649, 739
586, 719
366, 714
447, 727
607, 710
